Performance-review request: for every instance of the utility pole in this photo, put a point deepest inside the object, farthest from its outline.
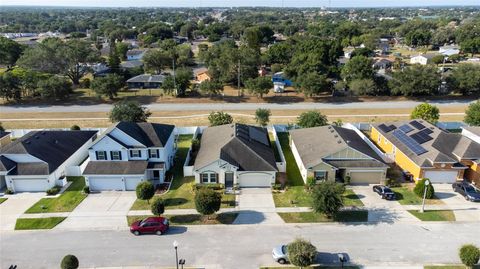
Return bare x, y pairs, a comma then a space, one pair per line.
238, 79
174, 79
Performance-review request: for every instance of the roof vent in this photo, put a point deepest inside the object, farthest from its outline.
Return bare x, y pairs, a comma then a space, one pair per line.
331, 131
56, 141
339, 141
27, 142
335, 136
37, 137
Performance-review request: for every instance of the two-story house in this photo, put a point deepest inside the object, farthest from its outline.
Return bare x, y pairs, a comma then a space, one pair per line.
128, 153
41, 160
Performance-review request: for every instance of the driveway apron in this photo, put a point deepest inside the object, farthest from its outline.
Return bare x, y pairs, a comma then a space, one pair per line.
15, 206
256, 206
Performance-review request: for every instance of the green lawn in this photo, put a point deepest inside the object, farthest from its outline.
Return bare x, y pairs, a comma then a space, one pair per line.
274, 146
309, 217
311, 267
191, 219
38, 223
351, 199
449, 267
3, 200
434, 215
406, 196
66, 202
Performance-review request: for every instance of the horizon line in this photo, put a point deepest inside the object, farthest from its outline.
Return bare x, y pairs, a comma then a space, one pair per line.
241, 6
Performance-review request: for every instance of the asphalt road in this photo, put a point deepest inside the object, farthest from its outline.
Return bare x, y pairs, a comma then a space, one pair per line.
232, 106
241, 246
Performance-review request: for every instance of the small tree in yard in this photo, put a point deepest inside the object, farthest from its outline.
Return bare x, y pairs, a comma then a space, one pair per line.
327, 198
426, 112
420, 189
75, 128
158, 206
469, 255
219, 118
301, 253
130, 111
145, 191
69, 262
207, 201
472, 114
262, 116
108, 85
259, 86
311, 119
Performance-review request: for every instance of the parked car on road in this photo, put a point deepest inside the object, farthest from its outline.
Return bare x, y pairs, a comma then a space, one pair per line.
467, 190
279, 254
150, 225
384, 191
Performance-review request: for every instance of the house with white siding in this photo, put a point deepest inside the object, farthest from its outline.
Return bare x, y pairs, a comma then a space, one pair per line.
128, 153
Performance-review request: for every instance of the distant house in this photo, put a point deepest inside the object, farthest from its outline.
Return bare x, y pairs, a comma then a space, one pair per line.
449, 50
145, 81
422, 59
131, 64
135, 54
382, 64
41, 160
201, 75
4, 138
279, 77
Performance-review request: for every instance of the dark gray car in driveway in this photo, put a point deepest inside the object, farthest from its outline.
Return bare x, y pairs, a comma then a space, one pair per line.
467, 190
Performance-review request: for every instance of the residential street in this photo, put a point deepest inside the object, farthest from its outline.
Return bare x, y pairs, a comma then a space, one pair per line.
240, 246
233, 106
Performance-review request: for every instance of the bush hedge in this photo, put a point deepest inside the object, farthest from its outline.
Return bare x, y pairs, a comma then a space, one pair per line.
420, 188
69, 262
53, 191
158, 206
469, 255
215, 186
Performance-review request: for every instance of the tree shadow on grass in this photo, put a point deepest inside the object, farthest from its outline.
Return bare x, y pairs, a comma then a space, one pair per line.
175, 201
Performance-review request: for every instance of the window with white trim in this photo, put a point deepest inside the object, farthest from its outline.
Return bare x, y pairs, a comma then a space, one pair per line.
135, 153
116, 155
101, 155
153, 153
213, 178
204, 177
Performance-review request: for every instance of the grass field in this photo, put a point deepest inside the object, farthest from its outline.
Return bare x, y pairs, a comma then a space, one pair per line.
311, 217
3, 200
434, 215
192, 219
66, 202
38, 223
406, 196
312, 267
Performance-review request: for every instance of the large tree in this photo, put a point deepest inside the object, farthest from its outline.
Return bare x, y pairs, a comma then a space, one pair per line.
10, 86
416, 80
108, 85
359, 67
129, 111
58, 57
10, 51
426, 112
363, 87
259, 86
327, 198
55, 87
211, 87
313, 83
157, 60
465, 78
311, 119
179, 82
472, 114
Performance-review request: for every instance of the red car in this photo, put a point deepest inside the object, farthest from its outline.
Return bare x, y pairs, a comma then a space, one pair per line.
151, 225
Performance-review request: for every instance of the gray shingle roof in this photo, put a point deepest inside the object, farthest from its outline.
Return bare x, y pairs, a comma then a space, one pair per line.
52, 147
247, 147
147, 78
473, 129
115, 168
3, 134
444, 147
149, 134
6, 164
314, 144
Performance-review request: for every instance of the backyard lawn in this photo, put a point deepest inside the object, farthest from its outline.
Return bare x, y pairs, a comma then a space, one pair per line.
38, 223
191, 219
434, 215
3, 200
449, 267
309, 217
66, 202
406, 196
312, 267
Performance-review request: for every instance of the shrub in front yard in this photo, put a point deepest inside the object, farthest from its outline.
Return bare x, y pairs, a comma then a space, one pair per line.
347, 180
215, 186
86, 189
207, 201
9, 191
145, 190
469, 255
420, 188
301, 253
158, 206
53, 191
327, 198
69, 262
310, 183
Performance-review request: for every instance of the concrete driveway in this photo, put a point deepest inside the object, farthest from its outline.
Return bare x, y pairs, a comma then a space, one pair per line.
256, 206
464, 210
15, 206
101, 211
381, 210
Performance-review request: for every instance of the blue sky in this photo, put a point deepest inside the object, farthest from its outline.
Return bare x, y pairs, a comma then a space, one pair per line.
227, 3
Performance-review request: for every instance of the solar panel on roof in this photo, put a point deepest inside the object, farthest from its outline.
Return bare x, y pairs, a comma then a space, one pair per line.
417, 125
409, 142
421, 137
405, 128
427, 131
259, 136
384, 128
392, 127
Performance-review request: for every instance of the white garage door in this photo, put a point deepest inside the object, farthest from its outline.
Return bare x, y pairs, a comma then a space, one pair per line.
132, 183
105, 183
254, 180
33, 185
367, 177
441, 176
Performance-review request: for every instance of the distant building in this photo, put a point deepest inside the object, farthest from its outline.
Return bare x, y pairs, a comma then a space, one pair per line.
131, 64
449, 50
279, 77
422, 59
135, 54
201, 75
382, 64
146, 81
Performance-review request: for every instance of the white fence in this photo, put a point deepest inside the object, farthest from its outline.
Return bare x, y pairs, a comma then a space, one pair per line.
385, 157
76, 170
282, 165
188, 169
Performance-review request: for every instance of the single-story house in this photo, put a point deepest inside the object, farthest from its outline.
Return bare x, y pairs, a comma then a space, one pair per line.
145, 81
423, 59
131, 64
473, 174
333, 153
426, 151
235, 154
449, 50
135, 54
4, 138
201, 75
128, 153
41, 160
382, 63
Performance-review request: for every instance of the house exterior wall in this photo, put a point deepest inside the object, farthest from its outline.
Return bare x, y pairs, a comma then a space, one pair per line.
323, 167
473, 173
9, 180
419, 60
303, 170
219, 167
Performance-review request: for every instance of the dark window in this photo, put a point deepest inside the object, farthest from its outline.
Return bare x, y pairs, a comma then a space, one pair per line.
320, 175
135, 153
116, 155
204, 177
153, 153
101, 155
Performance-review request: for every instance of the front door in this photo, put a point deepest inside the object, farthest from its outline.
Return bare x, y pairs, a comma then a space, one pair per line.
156, 174
229, 180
